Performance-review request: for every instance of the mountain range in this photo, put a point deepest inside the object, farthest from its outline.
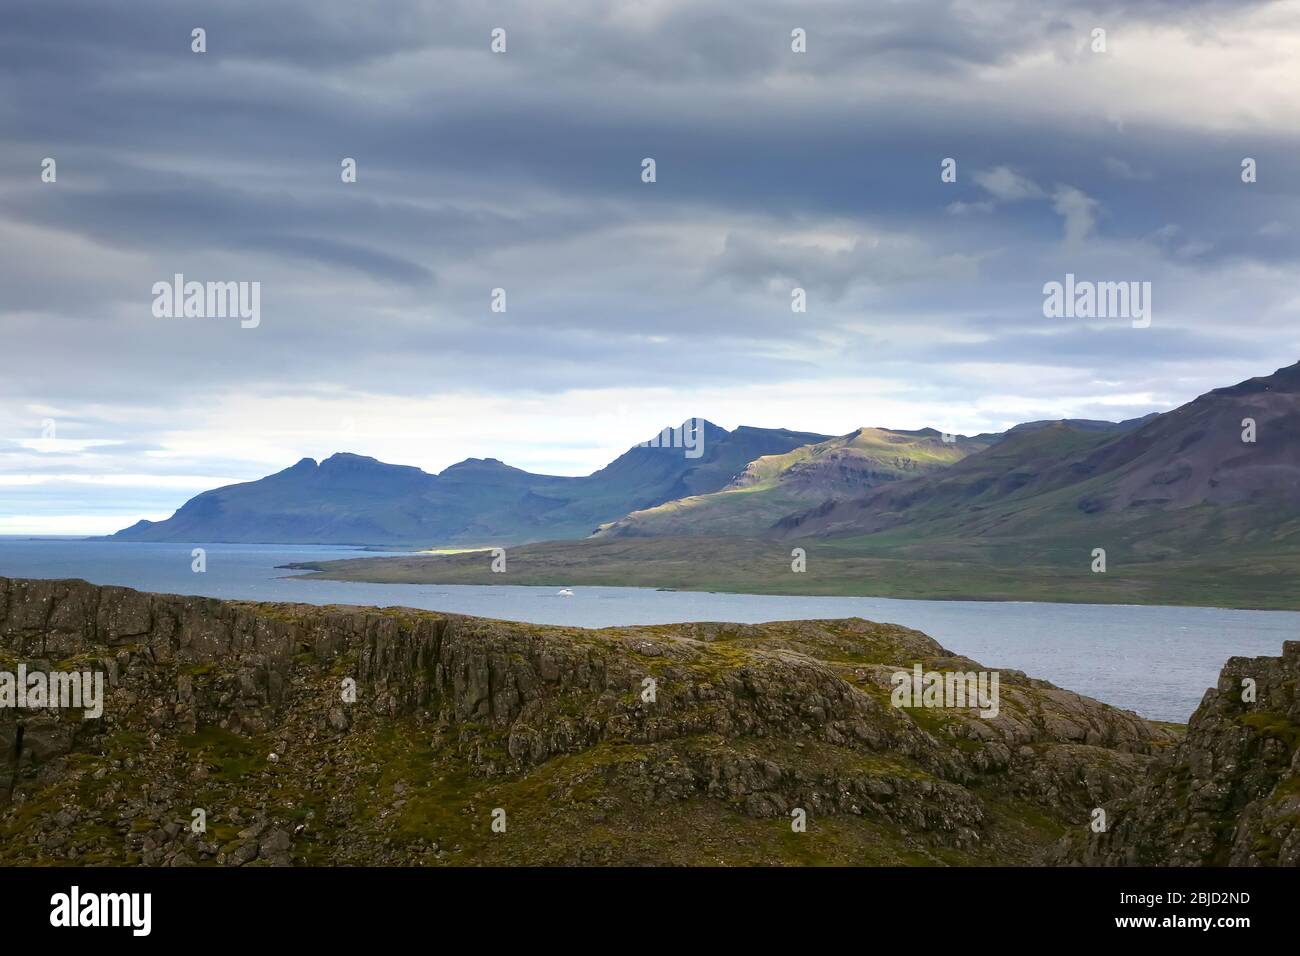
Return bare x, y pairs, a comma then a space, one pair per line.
352, 499
1200, 504
1236, 447
1197, 505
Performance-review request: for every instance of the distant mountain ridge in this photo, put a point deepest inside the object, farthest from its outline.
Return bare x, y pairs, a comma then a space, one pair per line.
1199, 505
1195, 455
355, 500
1038, 483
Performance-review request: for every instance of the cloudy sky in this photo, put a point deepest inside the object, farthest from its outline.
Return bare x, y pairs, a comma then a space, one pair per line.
630, 305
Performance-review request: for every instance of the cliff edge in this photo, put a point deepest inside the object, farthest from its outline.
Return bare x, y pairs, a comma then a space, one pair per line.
342, 735
1229, 794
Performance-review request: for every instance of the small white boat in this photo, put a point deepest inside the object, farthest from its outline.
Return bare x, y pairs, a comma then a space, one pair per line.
565, 592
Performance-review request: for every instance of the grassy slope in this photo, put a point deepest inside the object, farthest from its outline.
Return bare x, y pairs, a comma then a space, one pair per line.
774, 486
887, 565
1002, 525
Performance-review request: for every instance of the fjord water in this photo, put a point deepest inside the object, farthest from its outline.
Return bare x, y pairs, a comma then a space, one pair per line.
1157, 661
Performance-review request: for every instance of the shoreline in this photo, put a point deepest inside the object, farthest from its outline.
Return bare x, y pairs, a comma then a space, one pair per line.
1069, 635
315, 571
754, 567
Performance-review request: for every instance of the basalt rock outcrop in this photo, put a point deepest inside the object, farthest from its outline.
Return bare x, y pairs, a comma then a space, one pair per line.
260, 734
1229, 794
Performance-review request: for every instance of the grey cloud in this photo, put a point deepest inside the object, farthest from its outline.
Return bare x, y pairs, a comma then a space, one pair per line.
1006, 185
521, 171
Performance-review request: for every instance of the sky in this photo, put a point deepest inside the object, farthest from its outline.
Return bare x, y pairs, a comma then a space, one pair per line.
629, 305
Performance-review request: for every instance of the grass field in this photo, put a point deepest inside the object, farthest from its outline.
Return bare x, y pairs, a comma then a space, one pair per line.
882, 565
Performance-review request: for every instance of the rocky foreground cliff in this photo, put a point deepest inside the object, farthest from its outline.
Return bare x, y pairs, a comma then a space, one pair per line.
1230, 793
262, 734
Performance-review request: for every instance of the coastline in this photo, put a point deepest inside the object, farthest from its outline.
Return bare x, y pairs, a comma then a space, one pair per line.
763, 567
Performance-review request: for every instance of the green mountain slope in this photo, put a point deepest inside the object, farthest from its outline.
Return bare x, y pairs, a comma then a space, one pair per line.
1183, 481
775, 485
